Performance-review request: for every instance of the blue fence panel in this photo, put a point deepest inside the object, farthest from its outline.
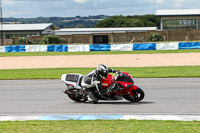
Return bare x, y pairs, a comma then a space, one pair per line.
57, 48
17, 48
100, 47
144, 46
189, 45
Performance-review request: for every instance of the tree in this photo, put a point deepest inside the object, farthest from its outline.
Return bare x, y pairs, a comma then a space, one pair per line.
154, 37
130, 21
50, 39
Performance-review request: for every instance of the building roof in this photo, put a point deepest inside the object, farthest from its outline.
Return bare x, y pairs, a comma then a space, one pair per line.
70, 31
26, 27
178, 12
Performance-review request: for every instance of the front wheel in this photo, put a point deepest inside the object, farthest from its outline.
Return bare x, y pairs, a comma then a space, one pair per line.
138, 95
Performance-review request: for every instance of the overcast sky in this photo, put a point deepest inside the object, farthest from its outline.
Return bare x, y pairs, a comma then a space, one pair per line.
71, 8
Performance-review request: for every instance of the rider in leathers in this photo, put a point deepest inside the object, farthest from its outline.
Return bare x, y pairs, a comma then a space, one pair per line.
93, 79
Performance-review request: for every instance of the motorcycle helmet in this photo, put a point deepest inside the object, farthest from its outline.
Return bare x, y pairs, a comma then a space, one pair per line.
102, 71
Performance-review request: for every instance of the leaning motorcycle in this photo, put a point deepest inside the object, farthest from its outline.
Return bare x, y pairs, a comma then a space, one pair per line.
123, 80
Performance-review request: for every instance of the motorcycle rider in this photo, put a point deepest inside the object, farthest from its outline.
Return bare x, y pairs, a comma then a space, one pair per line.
93, 79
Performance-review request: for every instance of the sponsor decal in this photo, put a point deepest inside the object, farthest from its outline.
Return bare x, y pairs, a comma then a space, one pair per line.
104, 84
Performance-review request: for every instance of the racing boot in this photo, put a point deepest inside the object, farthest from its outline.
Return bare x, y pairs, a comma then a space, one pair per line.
91, 96
113, 87
119, 89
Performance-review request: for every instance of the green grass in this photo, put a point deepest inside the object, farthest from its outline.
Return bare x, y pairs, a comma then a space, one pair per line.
138, 72
98, 52
100, 126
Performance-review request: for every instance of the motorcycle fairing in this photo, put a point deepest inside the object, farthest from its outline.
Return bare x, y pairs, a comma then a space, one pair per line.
126, 82
105, 83
125, 77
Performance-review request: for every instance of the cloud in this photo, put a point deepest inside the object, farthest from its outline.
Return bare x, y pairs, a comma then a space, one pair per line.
102, 1
180, 3
160, 1
9, 2
70, 8
81, 1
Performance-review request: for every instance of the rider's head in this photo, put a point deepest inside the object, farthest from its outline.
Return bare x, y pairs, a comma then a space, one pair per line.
102, 71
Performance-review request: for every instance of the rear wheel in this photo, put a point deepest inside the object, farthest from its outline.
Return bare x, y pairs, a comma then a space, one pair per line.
74, 95
138, 95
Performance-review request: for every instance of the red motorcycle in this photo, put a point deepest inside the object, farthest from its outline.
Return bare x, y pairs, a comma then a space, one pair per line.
125, 88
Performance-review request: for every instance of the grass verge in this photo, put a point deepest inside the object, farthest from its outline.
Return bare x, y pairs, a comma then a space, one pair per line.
99, 126
137, 72
97, 52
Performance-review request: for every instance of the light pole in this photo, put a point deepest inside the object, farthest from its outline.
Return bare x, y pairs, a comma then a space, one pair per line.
1, 8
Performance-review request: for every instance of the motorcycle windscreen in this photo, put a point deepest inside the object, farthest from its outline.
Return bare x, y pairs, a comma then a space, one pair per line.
124, 78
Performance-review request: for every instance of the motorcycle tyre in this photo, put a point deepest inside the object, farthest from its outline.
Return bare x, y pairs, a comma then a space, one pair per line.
133, 99
74, 98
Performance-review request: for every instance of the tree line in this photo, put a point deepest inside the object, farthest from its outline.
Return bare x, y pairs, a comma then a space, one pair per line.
130, 21
98, 21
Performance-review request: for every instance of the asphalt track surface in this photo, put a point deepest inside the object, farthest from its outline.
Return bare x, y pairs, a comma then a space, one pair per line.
176, 96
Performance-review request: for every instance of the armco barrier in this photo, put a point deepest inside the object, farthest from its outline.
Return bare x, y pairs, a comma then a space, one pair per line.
2, 49
189, 45
36, 48
121, 47
145, 46
167, 46
15, 48
100, 47
78, 48
57, 48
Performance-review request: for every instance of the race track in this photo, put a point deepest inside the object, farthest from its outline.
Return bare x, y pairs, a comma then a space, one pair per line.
42, 97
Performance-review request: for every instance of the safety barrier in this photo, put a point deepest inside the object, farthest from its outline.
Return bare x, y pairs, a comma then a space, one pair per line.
100, 47
145, 46
36, 48
15, 48
189, 45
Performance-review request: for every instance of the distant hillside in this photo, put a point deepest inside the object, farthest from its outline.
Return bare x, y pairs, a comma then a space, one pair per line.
62, 22
93, 21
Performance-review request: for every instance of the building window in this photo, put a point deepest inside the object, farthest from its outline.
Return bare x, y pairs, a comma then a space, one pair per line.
179, 24
198, 23
100, 39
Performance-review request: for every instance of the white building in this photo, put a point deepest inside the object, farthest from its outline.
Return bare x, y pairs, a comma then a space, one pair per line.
71, 31
26, 30
179, 19
104, 35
